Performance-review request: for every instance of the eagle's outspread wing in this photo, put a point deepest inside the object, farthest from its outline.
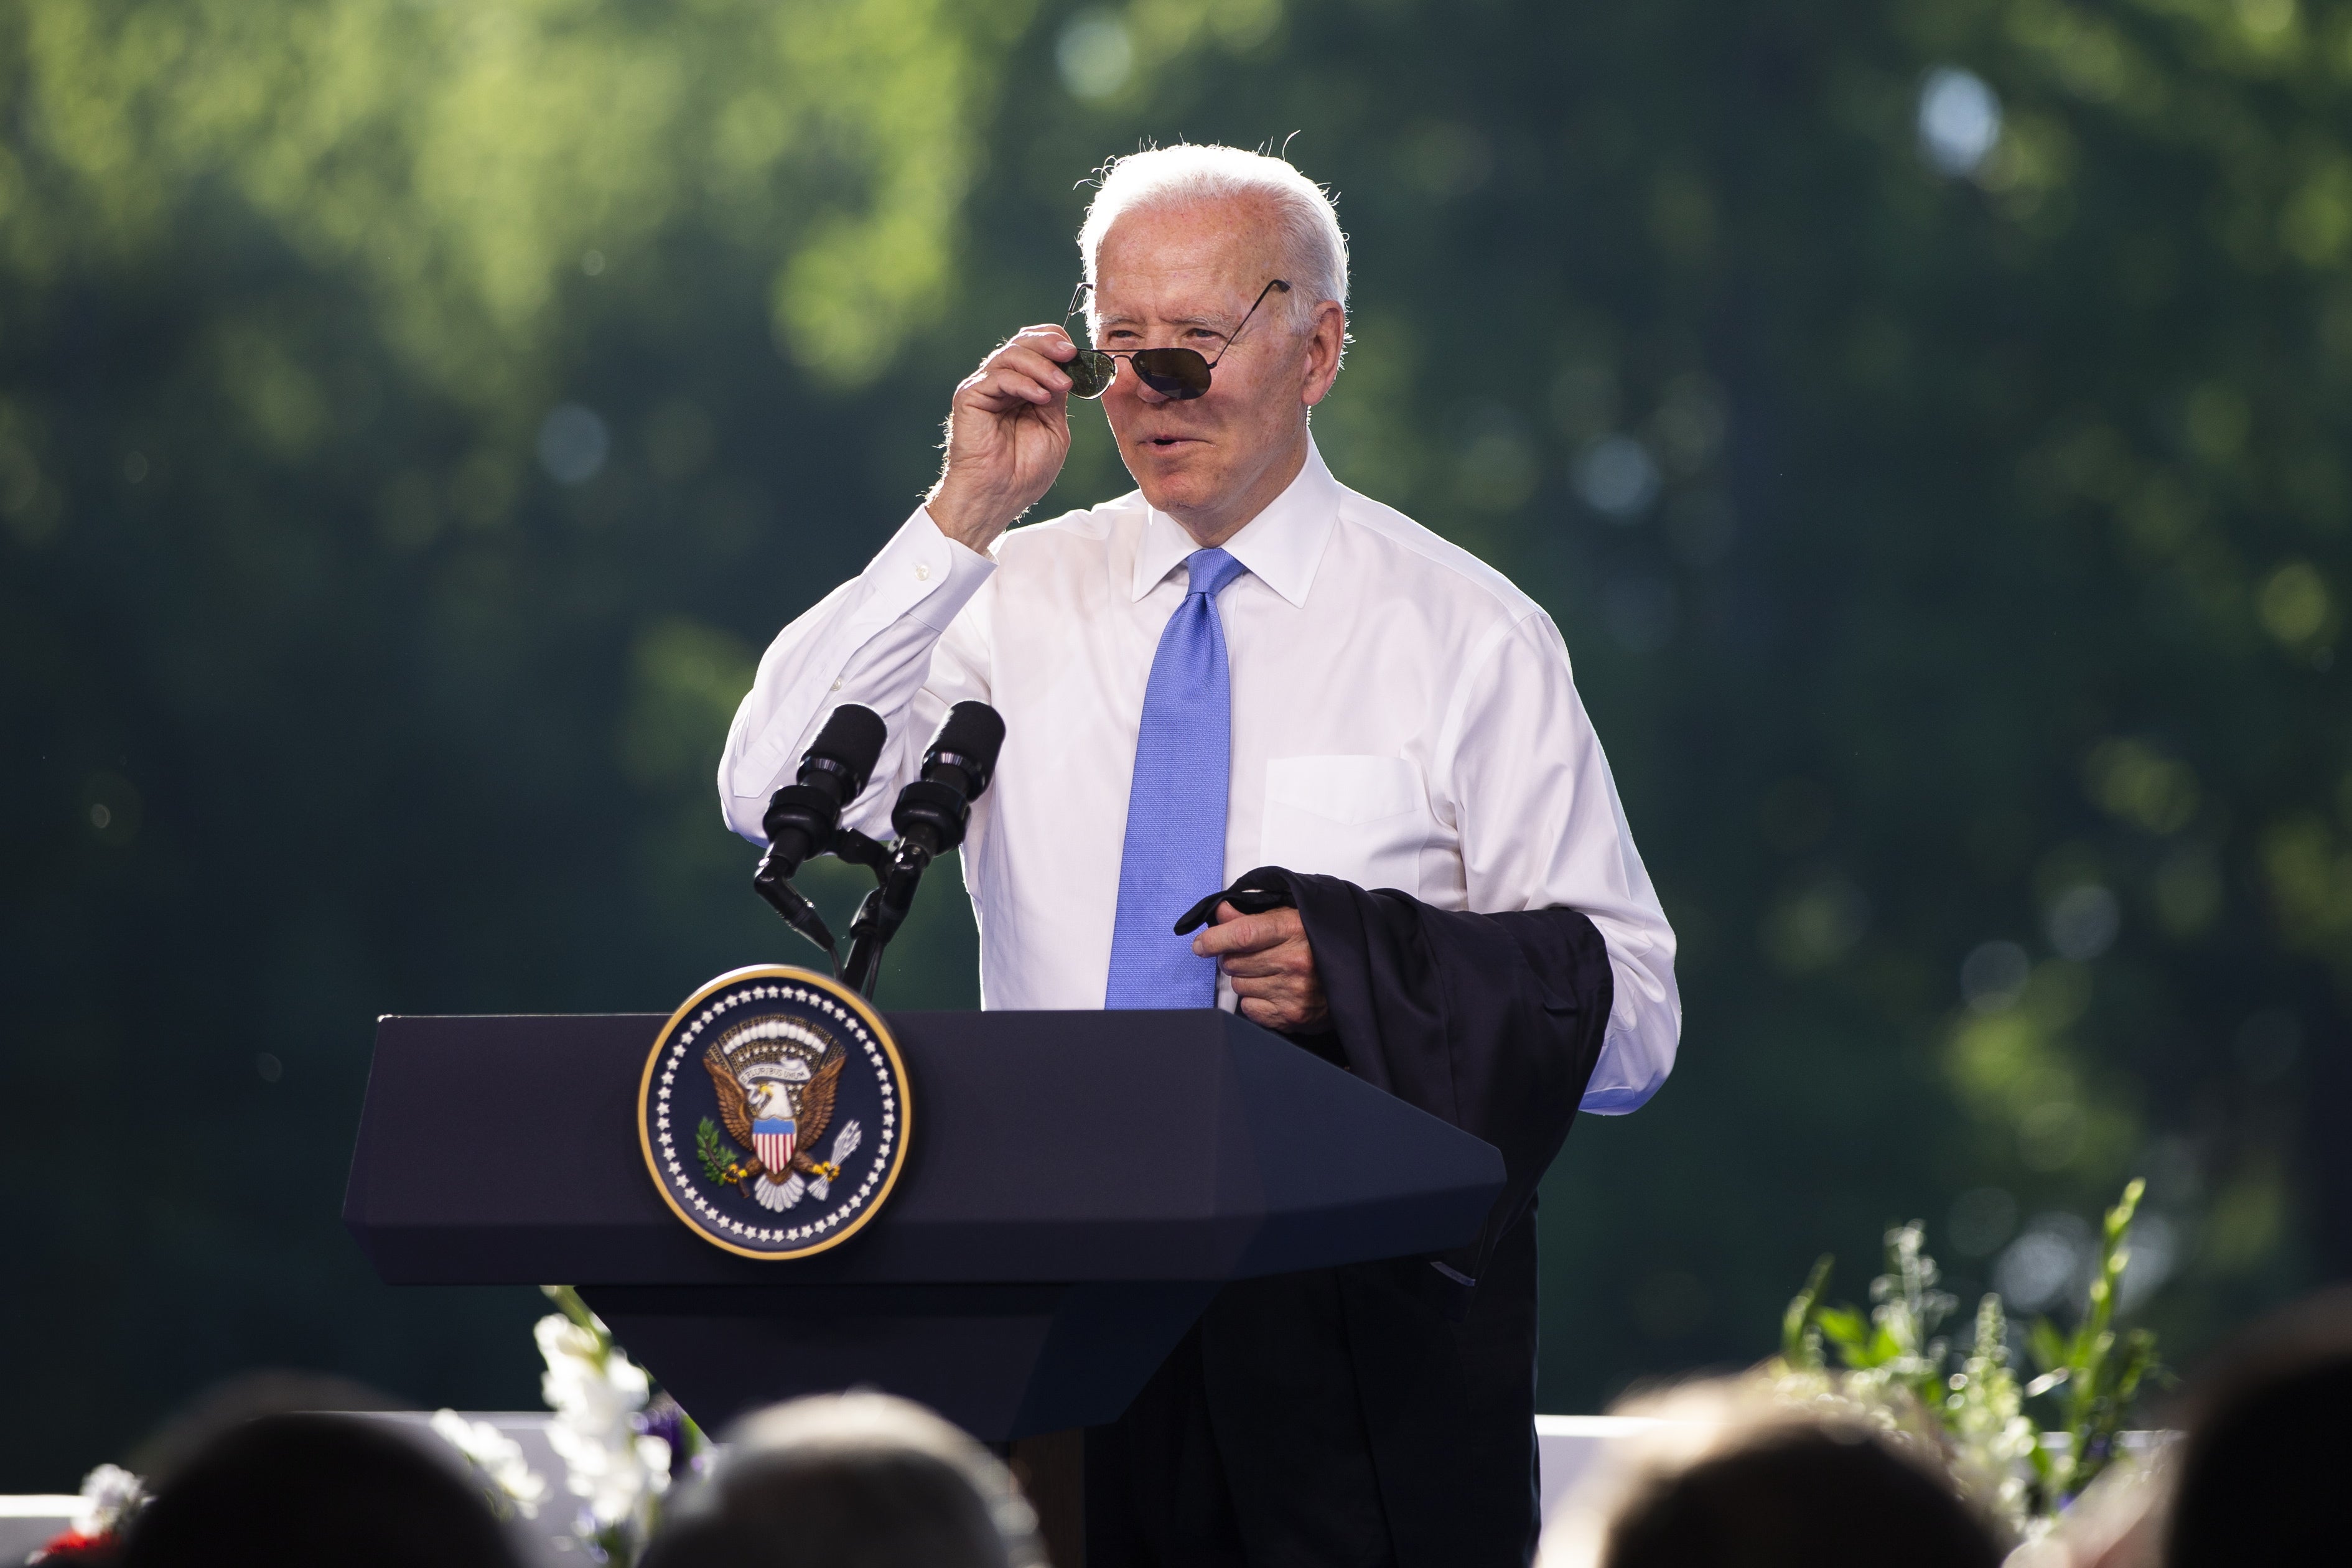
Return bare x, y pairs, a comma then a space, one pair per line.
732, 1109
817, 1106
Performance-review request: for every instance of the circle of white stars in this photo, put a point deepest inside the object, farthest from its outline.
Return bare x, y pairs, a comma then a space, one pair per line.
779, 1238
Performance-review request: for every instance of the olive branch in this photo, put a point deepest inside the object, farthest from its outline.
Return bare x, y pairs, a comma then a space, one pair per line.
722, 1162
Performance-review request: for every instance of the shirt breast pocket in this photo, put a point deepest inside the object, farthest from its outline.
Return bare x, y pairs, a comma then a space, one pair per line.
1360, 818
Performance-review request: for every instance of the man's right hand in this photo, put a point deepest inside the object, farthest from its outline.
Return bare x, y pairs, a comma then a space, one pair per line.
1008, 432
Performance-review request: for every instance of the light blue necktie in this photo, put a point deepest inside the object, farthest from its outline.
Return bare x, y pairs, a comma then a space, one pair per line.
1175, 848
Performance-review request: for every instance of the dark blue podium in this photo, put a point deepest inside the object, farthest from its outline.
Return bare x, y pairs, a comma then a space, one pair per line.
1077, 1186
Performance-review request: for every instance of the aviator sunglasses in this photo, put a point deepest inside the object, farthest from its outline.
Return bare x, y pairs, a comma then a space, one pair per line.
1178, 375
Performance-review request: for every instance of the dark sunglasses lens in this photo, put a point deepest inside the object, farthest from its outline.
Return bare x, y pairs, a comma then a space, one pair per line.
1090, 373
1178, 374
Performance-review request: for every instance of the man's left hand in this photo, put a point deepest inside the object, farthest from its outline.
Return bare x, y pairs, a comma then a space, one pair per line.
1270, 965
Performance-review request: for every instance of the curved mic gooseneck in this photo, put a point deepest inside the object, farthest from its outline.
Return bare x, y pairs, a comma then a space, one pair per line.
930, 815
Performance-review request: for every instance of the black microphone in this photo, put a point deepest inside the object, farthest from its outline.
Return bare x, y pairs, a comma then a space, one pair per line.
929, 815
801, 817
933, 810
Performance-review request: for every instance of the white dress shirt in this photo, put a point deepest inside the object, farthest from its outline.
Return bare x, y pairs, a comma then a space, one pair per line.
1403, 717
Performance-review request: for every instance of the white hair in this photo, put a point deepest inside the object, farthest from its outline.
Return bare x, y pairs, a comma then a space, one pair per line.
1314, 251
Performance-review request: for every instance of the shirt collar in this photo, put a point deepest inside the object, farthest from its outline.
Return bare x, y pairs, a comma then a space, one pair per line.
1281, 546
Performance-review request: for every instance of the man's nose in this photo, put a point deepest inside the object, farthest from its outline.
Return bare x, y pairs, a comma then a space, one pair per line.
1143, 389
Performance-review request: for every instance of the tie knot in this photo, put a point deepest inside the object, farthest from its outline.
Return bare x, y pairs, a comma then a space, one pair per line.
1211, 571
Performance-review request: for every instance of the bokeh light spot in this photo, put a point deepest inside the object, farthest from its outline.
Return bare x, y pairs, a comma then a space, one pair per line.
2083, 922
110, 803
1617, 476
1993, 977
2048, 1263
2293, 603
1095, 54
1960, 120
2140, 785
573, 444
1817, 925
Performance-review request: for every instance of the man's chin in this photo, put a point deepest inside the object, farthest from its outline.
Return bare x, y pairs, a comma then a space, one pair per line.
1181, 479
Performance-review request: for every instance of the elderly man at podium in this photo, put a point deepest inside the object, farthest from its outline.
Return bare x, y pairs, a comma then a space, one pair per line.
1243, 664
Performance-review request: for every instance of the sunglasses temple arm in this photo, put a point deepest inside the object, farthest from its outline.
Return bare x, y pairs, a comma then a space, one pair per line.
1262, 293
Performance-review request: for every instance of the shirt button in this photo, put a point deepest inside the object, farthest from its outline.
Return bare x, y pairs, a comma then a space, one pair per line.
922, 572
836, 686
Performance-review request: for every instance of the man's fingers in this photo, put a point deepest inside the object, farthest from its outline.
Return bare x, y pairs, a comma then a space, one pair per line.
997, 390
1268, 992
1282, 958
1048, 339
1015, 374
1031, 361
1288, 1011
1238, 932
1268, 962
1033, 357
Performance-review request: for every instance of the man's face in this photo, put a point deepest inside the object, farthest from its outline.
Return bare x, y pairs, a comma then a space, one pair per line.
1183, 279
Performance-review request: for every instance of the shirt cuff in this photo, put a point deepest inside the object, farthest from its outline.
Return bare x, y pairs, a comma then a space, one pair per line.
923, 573
1616, 1101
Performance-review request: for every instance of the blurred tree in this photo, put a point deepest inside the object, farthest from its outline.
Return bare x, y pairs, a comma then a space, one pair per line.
390, 412
1926, 421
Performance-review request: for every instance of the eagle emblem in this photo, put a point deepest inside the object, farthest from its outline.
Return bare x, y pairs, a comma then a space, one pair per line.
776, 1078
773, 1112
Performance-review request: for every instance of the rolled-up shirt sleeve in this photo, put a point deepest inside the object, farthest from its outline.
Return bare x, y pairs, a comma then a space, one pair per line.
1540, 825
870, 641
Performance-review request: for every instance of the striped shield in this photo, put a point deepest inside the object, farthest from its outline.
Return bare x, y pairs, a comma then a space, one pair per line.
772, 1141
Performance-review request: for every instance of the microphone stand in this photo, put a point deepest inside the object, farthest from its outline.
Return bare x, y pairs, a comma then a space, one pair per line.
789, 901
897, 868
930, 815
883, 912
799, 913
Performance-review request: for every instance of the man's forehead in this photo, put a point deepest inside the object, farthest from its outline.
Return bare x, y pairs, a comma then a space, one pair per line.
1186, 261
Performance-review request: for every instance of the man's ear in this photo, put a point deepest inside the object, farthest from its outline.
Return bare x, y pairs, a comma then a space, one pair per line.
1326, 334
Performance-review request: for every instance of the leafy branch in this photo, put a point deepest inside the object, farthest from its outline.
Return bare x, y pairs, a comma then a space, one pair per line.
722, 1162
2095, 1379
1894, 1356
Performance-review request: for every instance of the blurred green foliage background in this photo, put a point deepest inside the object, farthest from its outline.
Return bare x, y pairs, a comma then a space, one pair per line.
1925, 419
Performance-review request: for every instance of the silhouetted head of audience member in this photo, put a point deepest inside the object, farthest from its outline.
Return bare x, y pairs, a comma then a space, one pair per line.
1799, 1497
1730, 1477
306, 1489
2267, 1445
853, 1480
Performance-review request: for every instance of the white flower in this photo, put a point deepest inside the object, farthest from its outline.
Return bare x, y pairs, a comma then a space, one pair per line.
593, 1392
110, 1496
498, 1456
653, 1453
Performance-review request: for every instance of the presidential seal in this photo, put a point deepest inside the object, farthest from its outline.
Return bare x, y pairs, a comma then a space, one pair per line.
773, 1112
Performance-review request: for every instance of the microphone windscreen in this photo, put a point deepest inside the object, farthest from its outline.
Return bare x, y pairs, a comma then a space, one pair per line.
972, 730
853, 737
